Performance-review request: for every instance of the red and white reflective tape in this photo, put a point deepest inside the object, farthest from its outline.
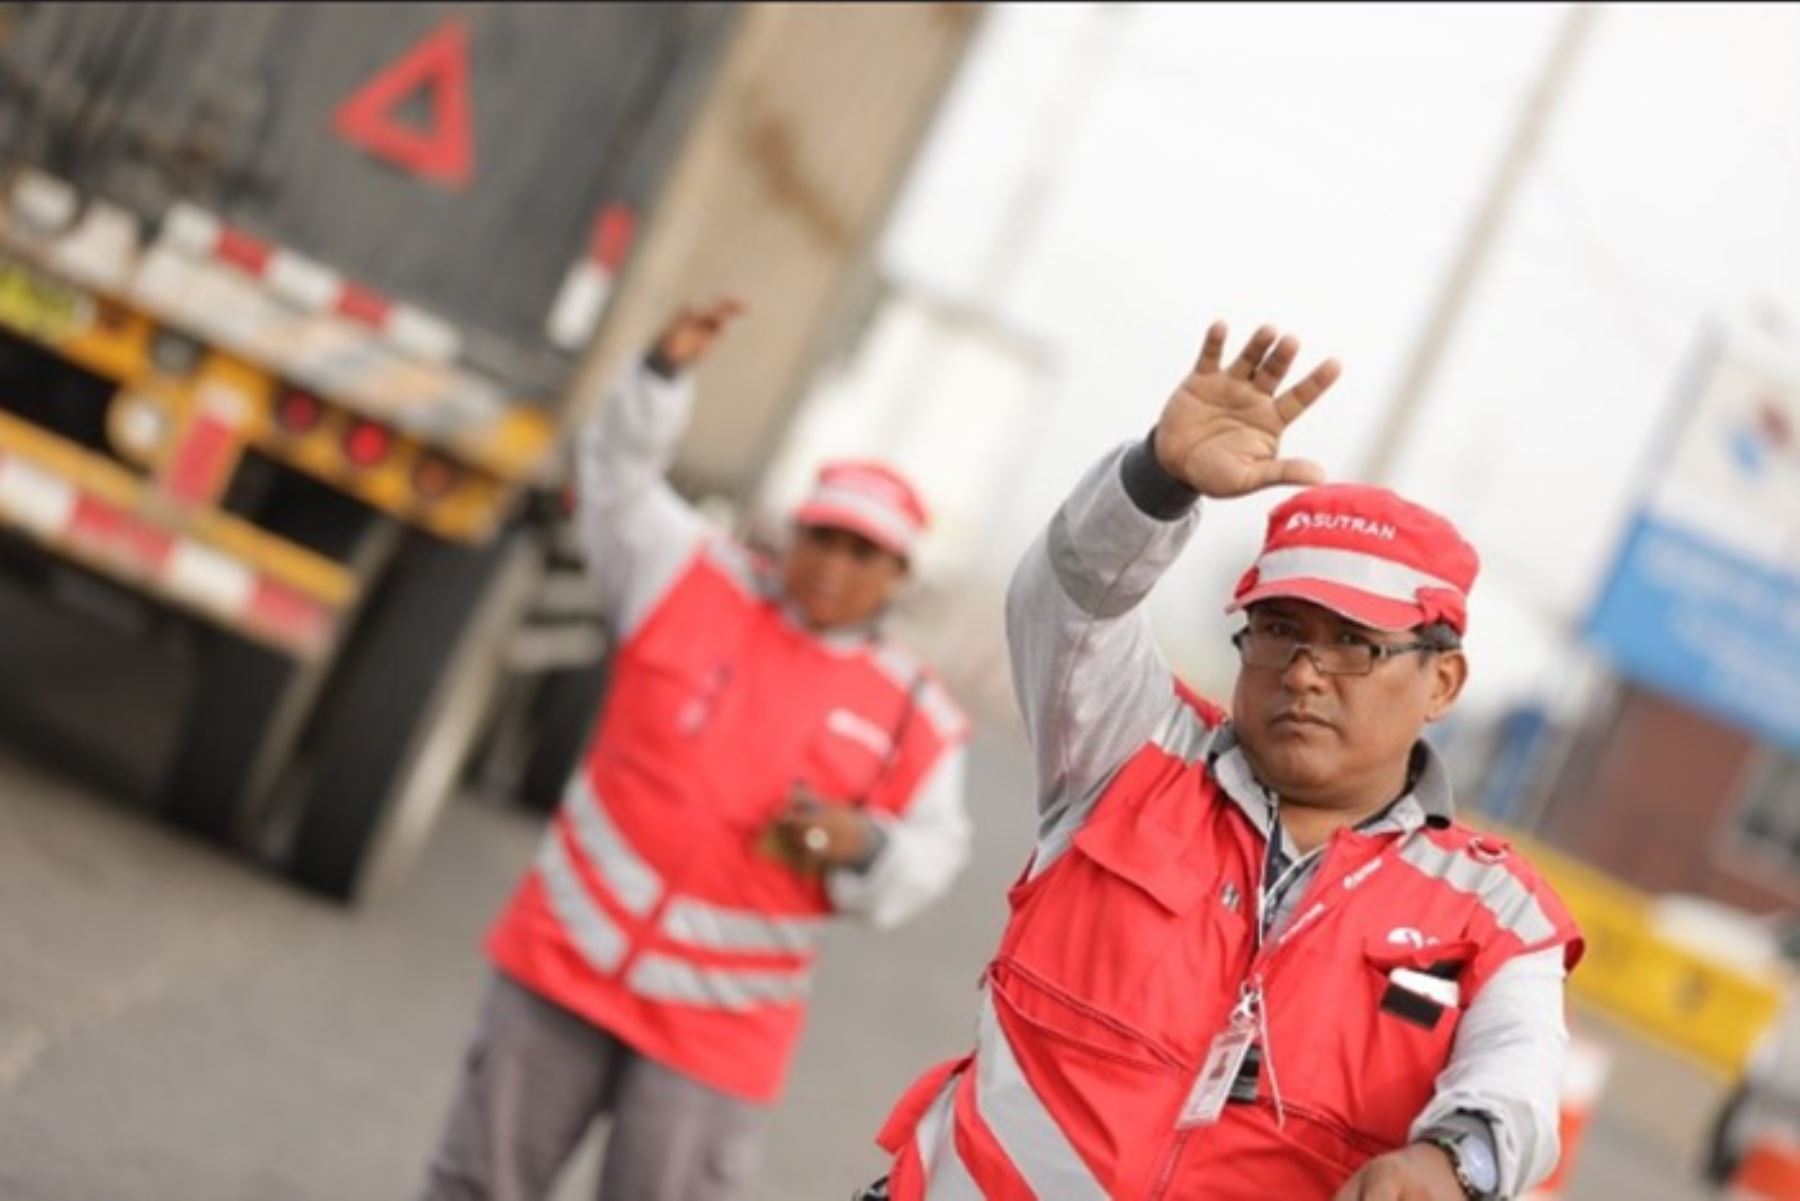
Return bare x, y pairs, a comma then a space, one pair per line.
309, 285
186, 571
200, 467
575, 313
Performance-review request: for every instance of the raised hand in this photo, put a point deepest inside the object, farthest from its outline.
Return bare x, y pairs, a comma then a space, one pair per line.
690, 334
1220, 432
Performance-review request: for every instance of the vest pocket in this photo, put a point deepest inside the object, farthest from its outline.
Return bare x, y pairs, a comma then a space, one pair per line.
1130, 933
1119, 925
669, 696
1414, 1002
1418, 986
1143, 858
1061, 1017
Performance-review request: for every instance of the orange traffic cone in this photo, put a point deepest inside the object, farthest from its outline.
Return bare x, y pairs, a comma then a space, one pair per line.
1584, 1076
1769, 1171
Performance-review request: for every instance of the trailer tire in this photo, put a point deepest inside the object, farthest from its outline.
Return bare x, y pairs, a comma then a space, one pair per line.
397, 722
230, 723
563, 716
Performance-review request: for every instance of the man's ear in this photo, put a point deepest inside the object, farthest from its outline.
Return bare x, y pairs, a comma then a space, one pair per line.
1449, 672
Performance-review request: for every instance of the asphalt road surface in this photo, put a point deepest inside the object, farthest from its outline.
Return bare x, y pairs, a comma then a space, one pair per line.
178, 1026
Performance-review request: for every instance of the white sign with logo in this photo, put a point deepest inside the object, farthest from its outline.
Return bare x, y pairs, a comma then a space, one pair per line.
1704, 600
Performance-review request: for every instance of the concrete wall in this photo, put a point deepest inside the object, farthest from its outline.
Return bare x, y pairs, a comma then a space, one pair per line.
815, 116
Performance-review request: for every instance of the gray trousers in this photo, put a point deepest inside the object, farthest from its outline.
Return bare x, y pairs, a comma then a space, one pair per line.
535, 1079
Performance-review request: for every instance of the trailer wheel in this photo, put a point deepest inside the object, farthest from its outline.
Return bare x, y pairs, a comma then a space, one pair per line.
563, 716
397, 722
231, 729
252, 705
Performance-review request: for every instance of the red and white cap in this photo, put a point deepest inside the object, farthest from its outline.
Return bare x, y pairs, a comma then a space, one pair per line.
870, 499
1365, 553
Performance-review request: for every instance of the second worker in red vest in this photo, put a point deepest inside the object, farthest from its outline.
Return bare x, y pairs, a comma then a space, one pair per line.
1252, 955
767, 759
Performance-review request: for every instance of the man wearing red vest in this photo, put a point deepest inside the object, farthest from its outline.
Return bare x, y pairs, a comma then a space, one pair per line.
1253, 956
766, 759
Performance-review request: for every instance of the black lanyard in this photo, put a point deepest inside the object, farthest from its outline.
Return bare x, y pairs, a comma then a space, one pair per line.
1267, 905
1273, 872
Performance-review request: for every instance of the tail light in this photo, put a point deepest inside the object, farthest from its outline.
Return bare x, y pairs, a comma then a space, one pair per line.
366, 444
298, 412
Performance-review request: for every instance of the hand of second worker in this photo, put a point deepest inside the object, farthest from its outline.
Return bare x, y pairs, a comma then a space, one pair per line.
818, 835
690, 335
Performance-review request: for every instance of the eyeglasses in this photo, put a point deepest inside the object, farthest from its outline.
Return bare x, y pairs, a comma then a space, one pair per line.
1272, 651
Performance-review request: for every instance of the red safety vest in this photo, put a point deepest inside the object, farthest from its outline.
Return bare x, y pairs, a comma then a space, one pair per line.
1123, 960
651, 910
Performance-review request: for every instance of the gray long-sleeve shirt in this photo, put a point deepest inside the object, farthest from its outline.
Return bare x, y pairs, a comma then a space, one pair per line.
1094, 689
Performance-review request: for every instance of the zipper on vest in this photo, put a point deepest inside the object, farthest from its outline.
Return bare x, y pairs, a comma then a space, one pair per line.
1011, 966
1306, 911
1211, 1106
1165, 1173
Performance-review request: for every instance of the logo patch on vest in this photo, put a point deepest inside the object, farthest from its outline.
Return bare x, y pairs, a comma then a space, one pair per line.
1406, 936
860, 730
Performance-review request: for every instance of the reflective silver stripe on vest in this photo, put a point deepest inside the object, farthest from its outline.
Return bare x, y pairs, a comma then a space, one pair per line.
634, 882
1039, 1150
663, 978
702, 925
1501, 893
600, 942
946, 1175
1182, 733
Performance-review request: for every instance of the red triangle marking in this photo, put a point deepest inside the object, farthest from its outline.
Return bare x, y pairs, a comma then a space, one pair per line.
446, 152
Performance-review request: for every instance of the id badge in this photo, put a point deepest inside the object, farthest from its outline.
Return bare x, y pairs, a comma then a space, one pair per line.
1212, 1087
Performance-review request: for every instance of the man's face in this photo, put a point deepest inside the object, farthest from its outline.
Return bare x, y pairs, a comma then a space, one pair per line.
1337, 741
837, 578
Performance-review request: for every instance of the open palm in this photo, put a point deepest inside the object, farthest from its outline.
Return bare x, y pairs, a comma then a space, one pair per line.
1220, 432
689, 335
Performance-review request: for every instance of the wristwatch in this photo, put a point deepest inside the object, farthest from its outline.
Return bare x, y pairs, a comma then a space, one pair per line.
1472, 1159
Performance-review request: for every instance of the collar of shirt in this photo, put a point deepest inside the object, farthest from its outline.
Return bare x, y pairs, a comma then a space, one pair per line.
764, 581
1428, 802
841, 639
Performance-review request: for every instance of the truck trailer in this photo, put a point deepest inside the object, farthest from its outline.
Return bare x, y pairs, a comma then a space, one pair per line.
299, 304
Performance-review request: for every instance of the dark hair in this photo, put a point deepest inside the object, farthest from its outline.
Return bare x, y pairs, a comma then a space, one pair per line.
1440, 636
